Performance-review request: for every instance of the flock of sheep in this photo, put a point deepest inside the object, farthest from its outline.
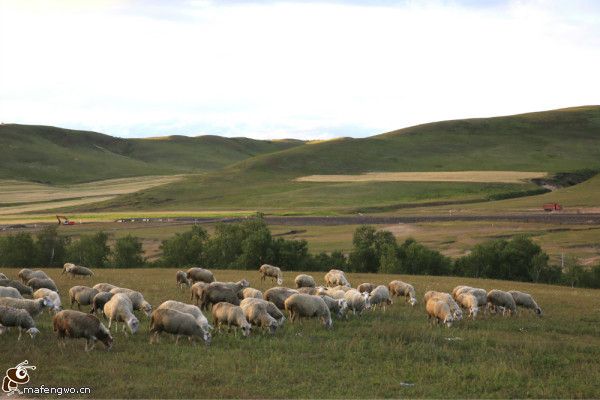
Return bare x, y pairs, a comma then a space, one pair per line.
231, 304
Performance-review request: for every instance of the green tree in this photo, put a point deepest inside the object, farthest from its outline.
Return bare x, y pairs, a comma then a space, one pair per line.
128, 252
363, 257
90, 250
17, 251
185, 249
51, 248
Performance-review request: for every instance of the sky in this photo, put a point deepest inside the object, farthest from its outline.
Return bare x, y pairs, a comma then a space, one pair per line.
280, 69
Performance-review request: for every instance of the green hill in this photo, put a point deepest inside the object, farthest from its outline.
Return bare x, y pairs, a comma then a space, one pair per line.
553, 141
59, 156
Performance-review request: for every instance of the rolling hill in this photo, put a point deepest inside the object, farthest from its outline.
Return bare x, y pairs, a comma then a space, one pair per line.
52, 155
553, 141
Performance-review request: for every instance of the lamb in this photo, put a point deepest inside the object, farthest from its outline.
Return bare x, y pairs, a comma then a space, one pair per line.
256, 313
51, 295
380, 296
24, 290
454, 307
525, 300
232, 315
120, 309
272, 272
75, 324
271, 308
403, 289
137, 299
33, 307
200, 275
194, 311
182, 280
304, 280
500, 299
357, 301
336, 306
252, 293
99, 301
76, 270
365, 287
15, 317
278, 294
176, 323
104, 287
10, 292
305, 305
82, 295
196, 290
26, 274
440, 311
470, 302
217, 292
336, 277
38, 283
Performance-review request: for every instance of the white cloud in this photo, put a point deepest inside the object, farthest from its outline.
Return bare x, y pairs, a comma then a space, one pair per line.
276, 69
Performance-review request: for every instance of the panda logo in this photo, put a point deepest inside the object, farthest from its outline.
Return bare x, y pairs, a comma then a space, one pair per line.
16, 376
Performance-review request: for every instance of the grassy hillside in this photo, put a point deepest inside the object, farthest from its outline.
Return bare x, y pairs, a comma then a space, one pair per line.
553, 141
53, 155
393, 354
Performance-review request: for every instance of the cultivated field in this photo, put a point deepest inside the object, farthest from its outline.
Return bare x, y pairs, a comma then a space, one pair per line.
391, 354
445, 176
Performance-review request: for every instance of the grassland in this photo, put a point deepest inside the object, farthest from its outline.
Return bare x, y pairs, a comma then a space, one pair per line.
372, 356
454, 176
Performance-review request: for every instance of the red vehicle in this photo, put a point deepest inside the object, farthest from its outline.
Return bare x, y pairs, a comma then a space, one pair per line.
552, 207
66, 221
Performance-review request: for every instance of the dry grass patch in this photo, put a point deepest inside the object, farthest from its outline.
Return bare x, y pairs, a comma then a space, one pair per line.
444, 176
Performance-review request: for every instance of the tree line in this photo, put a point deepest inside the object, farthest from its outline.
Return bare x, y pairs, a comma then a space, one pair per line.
248, 244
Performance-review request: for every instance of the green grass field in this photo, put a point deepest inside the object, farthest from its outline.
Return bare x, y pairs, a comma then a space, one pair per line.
371, 356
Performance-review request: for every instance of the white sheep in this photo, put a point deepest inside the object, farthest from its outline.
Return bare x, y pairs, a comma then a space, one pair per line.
251, 292
498, 299
380, 296
272, 272
305, 305
51, 295
470, 302
304, 280
19, 318
365, 287
357, 301
336, 306
104, 287
10, 292
525, 300
256, 313
33, 307
439, 310
120, 309
231, 315
277, 295
454, 307
176, 323
82, 295
200, 275
271, 308
75, 324
2, 276
182, 280
196, 291
76, 270
38, 283
26, 274
194, 311
137, 299
403, 289
23, 289
336, 277
99, 301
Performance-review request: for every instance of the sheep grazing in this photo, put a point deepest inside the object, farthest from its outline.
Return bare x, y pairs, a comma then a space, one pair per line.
309, 290
51, 295
237, 287
24, 290
104, 287
26, 274
403, 289
454, 307
99, 301
194, 311
335, 277
196, 291
182, 280
256, 313
380, 296
38, 283
76, 270
334, 293
357, 301
470, 302
480, 295
336, 306
33, 307
137, 300
120, 309
271, 308
251, 293
176, 323
365, 287
200, 275
11, 317
304, 280
440, 311
218, 292
2, 276
75, 325
82, 295
277, 295
498, 299
525, 300
10, 292
231, 315
305, 305
272, 272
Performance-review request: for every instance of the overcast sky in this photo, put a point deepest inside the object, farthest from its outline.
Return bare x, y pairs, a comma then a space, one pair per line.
306, 69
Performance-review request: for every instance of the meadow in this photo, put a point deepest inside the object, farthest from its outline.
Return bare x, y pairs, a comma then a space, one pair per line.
379, 354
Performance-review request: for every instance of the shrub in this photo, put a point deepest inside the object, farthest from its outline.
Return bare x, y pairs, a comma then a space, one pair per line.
128, 253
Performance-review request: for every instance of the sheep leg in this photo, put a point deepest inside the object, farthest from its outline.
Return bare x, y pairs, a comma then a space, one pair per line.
177, 339
20, 333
